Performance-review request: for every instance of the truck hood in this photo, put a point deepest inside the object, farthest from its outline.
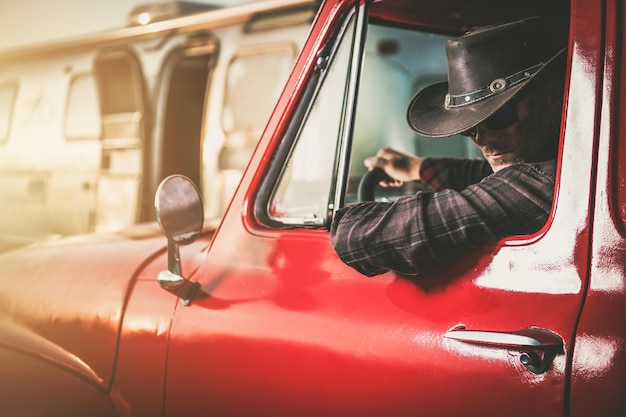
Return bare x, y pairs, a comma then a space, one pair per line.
73, 292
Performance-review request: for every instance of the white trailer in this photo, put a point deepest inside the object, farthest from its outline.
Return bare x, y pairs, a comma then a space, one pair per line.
90, 125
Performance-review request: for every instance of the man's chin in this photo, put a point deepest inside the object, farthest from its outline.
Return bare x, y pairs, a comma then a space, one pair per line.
499, 163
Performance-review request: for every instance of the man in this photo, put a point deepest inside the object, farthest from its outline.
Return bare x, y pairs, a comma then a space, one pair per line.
505, 92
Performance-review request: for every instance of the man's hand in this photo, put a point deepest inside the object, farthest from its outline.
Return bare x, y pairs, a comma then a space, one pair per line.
398, 165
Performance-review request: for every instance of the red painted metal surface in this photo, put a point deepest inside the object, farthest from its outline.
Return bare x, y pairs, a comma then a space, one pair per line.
282, 327
31, 385
74, 293
599, 361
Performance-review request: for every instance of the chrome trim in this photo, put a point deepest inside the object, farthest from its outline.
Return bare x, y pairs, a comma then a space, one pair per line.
205, 20
350, 100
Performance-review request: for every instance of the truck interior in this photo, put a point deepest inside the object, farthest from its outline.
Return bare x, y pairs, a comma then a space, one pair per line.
404, 51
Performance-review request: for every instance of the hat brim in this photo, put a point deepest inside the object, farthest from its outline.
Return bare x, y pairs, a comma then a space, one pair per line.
428, 116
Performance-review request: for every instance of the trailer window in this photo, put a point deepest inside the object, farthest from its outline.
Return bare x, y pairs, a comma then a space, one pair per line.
8, 92
82, 120
255, 79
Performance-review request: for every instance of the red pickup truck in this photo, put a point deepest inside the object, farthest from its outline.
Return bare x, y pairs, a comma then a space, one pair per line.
254, 314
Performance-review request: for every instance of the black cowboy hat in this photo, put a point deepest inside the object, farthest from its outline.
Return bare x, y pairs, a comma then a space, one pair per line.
487, 68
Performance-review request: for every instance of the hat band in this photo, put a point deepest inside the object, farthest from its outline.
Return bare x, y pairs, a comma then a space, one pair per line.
497, 86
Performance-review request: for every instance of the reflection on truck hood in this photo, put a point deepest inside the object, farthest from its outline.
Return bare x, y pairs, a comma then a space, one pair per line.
73, 291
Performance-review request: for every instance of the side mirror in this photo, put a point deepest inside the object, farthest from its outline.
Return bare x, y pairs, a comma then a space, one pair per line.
180, 215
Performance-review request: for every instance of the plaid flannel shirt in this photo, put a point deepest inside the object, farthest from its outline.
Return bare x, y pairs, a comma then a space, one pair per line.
472, 207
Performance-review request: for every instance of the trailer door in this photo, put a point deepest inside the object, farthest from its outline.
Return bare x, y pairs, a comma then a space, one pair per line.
124, 129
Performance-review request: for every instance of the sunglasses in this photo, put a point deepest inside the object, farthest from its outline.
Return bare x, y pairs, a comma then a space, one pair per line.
503, 118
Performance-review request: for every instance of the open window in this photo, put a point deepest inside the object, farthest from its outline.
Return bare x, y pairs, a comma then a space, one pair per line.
356, 103
396, 62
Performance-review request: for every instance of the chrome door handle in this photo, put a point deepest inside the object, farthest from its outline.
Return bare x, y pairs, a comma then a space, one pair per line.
538, 347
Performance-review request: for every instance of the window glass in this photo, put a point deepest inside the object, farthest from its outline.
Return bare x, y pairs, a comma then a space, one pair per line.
119, 75
302, 195
7, 102
254, 82
82, 120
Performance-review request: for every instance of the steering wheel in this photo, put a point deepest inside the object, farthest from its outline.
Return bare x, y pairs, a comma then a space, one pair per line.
368, 184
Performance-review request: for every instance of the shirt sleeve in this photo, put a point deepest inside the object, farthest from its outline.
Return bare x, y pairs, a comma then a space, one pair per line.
457, 174
374, 237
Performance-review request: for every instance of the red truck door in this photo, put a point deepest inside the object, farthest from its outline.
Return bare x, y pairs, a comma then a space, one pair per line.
281, 326
599, 362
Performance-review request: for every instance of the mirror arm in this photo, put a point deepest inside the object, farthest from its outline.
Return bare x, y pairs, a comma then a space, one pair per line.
173, 259
172, 278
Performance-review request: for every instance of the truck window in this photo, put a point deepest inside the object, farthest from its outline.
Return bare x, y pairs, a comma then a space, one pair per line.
82, 116
397, 63
8, 92
302, 195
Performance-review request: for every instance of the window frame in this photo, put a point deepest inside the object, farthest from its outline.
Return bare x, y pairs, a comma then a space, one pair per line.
14, 84
311, 90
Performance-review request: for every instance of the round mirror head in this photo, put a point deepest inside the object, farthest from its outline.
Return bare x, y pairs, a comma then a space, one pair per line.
179, 209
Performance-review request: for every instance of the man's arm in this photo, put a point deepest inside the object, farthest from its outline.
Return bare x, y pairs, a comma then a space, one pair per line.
437, 173
454, 173
416, 230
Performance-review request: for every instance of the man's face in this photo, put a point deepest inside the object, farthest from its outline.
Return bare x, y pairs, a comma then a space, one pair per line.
531, 138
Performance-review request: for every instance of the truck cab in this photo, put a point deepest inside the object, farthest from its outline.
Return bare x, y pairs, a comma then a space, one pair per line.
257, 315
